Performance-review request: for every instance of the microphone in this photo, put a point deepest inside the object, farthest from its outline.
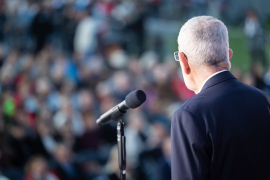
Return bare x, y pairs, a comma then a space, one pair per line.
132, 100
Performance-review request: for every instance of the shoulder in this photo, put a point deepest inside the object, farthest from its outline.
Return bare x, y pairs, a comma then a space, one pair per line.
181, 111
192, 105
265, 94
182, 115
257, 91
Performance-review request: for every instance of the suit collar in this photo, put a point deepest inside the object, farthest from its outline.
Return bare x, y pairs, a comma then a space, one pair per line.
223, 76
211, 77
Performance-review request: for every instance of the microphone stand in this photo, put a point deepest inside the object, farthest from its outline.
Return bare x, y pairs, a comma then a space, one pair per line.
132, 100
121, 141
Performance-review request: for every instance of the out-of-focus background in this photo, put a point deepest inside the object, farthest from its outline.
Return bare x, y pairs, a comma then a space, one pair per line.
65, 62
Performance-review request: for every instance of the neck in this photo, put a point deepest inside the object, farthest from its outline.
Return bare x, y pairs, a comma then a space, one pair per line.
201, 76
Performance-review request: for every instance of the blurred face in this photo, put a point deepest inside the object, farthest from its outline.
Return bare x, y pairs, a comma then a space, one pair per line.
89, 120
62, 154
136, 120
43, 129
158, 133
67, 107
39, 166
17, 132
86, 100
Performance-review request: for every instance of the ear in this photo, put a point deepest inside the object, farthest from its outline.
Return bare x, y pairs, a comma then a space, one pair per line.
230, 54
184, 63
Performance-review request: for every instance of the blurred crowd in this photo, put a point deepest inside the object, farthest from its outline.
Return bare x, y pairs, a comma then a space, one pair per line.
64, 63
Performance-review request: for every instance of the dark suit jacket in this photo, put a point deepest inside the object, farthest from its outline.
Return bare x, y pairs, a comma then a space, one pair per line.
222, 133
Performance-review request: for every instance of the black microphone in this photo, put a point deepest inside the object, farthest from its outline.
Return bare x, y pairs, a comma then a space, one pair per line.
132, 100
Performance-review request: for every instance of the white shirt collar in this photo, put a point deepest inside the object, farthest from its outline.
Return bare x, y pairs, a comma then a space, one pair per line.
210, 77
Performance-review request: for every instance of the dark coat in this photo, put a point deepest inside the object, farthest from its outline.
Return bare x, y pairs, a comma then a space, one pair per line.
222, 133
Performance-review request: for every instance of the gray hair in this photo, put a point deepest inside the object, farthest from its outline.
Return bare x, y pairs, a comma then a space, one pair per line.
204, 39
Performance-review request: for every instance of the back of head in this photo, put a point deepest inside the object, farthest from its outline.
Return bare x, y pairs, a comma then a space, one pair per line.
204, 39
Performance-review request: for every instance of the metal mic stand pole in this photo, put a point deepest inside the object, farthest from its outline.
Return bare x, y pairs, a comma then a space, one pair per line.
121, 141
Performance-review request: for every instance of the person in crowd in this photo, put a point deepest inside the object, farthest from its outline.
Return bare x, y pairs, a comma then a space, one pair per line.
257, 38
41, 26
165, 160
111, 170
37, 169
66, 167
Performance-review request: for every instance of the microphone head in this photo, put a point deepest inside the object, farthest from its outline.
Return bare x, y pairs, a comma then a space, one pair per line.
135, 99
